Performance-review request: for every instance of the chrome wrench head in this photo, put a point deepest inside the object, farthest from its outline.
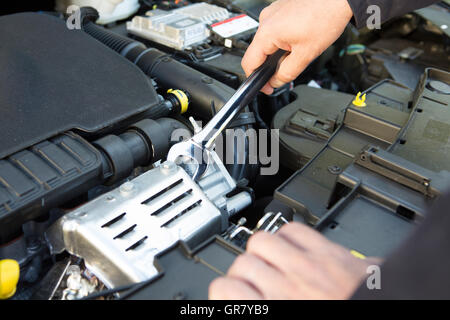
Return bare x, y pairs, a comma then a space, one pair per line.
192, 157
194, 154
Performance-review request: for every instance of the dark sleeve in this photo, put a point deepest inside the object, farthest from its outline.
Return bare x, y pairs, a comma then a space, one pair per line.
420, 268
389, 9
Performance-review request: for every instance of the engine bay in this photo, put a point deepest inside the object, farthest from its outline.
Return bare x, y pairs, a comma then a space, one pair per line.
92, 100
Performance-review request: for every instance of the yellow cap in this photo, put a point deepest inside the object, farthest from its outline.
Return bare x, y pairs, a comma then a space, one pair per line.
9, 276
357, 254
182, 98
360, 101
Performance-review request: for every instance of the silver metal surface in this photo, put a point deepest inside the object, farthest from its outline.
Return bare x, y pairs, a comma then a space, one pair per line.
77, 286
119, 234
217, 183
269, 223
179, 28
205, 12
170, 28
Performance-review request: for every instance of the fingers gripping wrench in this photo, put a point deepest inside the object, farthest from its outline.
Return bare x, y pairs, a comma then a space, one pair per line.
194, 154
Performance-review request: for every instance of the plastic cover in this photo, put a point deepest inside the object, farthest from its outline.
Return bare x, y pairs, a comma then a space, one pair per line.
54, 79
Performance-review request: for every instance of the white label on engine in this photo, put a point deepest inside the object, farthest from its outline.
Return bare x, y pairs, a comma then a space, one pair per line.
234, 26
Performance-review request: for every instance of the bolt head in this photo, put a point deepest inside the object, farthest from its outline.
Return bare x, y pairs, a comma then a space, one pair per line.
334, 169
126, 188
168, 167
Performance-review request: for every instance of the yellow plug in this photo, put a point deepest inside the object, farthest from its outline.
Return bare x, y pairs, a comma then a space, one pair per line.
9, 276
360, 101
357, 254
182, 98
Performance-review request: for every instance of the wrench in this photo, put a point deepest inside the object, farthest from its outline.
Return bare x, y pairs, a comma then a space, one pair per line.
194, 154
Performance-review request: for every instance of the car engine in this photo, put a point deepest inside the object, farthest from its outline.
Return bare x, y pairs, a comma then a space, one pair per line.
92, 99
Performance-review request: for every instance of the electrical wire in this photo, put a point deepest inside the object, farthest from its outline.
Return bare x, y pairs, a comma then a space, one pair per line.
109, 292
132, 286
352, 49
254, 106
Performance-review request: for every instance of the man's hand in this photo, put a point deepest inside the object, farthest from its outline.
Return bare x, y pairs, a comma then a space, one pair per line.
295, 263
305, 28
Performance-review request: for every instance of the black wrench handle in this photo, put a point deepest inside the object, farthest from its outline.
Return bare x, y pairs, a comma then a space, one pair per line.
241, 98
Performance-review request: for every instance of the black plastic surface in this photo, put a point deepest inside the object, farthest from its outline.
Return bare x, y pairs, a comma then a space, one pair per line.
35, 179
185, 274
54, 79
371, 204
168, 72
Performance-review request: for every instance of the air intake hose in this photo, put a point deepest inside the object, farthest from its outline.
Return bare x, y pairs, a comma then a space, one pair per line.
204, 91
168, 72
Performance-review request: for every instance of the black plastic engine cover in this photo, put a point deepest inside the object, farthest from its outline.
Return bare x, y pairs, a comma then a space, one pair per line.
53, 79
51, 172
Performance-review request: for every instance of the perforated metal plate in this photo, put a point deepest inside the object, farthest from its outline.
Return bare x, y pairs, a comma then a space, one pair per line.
119, 234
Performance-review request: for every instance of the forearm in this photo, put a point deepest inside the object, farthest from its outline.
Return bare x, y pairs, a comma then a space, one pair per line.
388, 9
